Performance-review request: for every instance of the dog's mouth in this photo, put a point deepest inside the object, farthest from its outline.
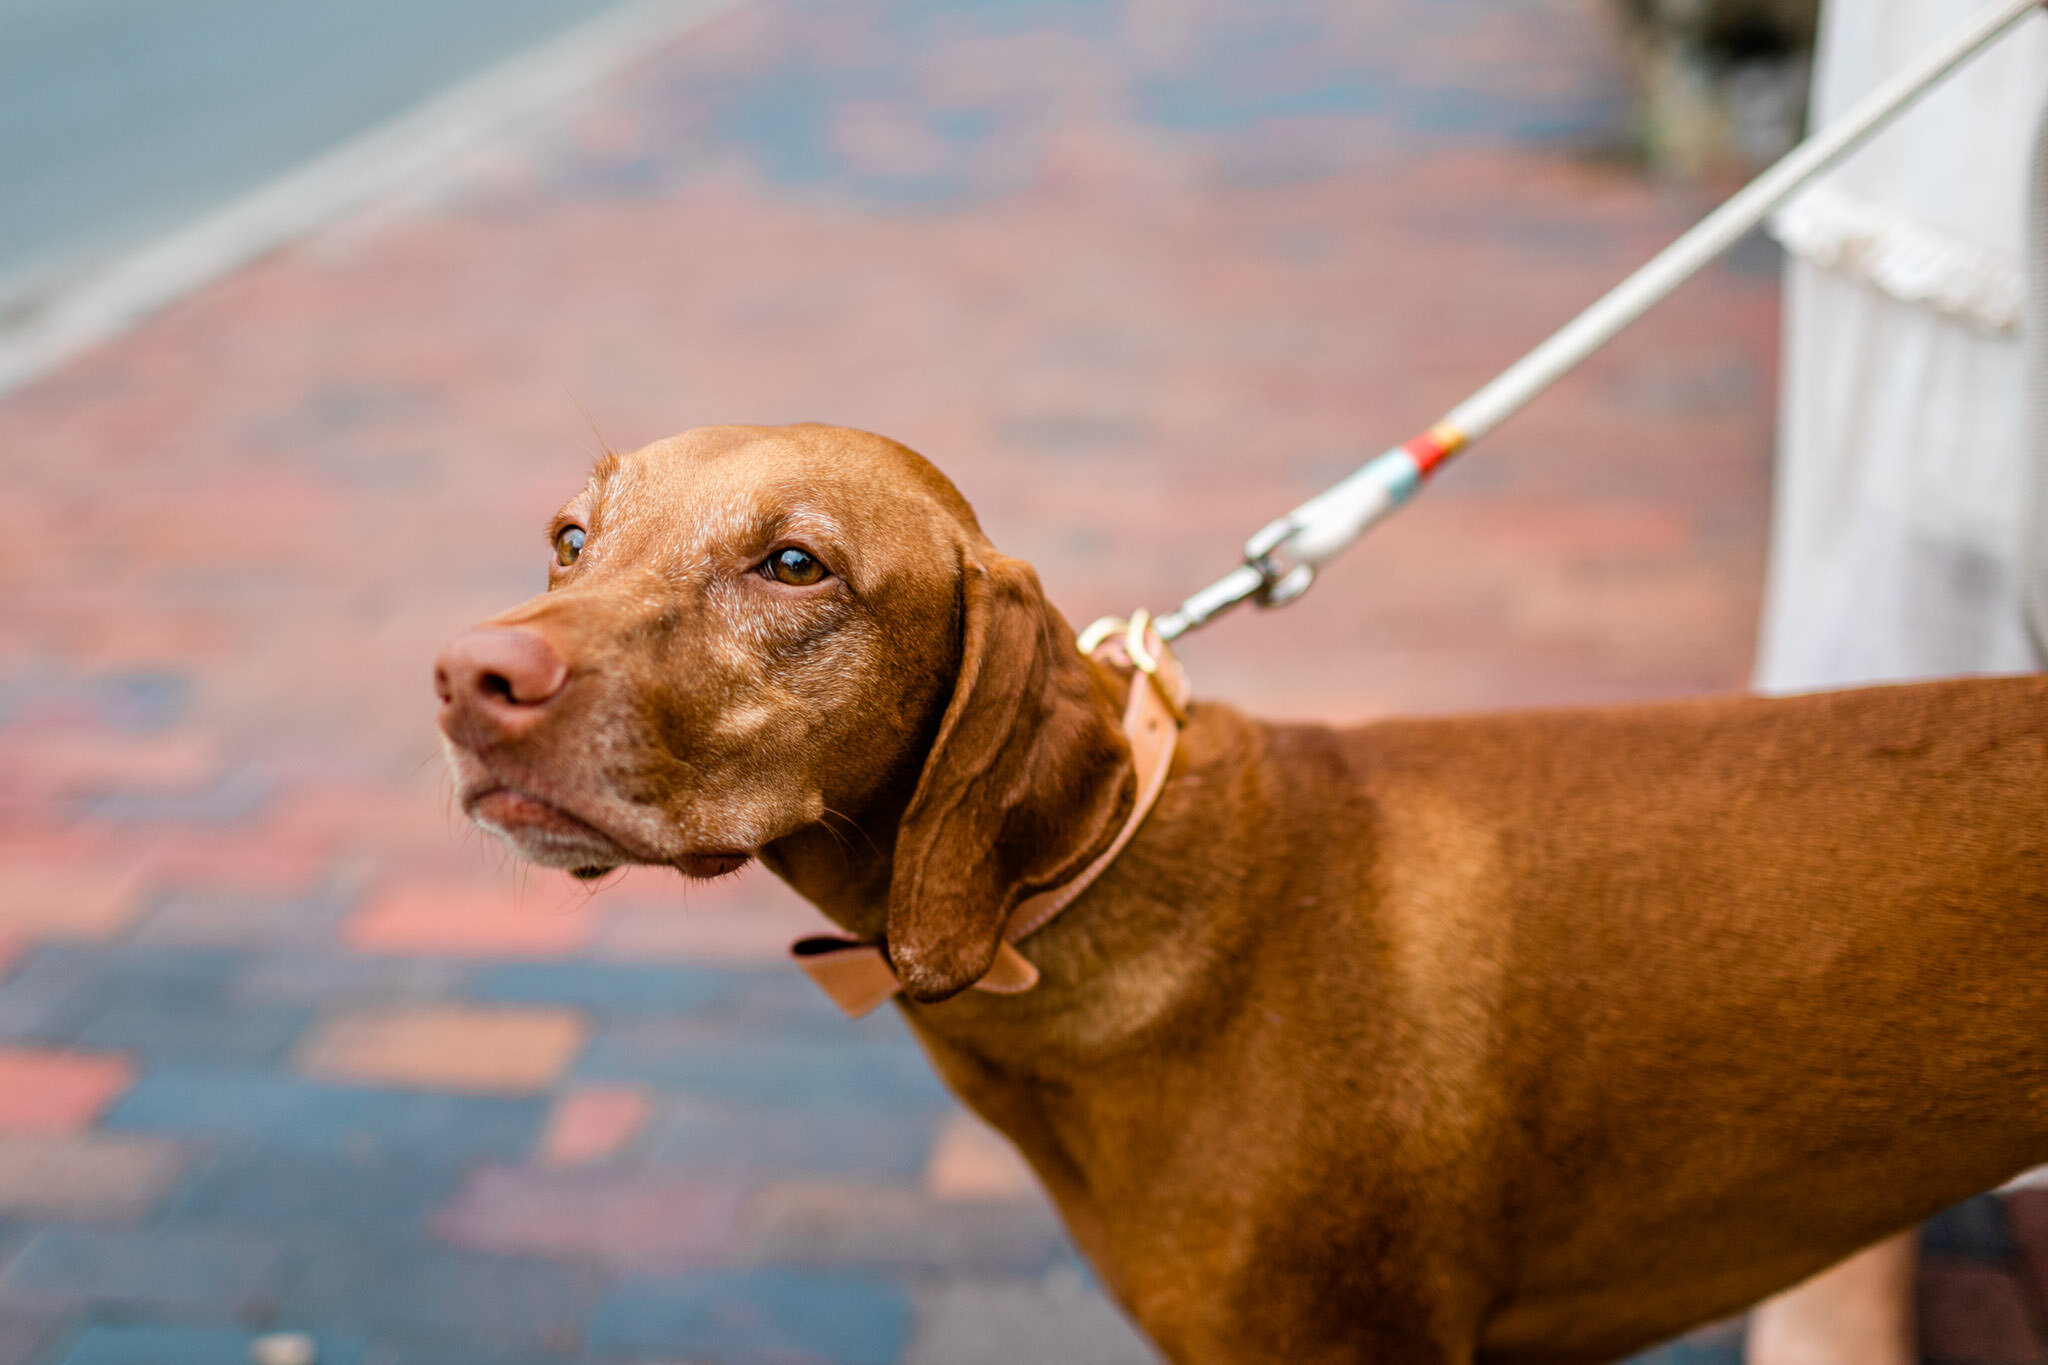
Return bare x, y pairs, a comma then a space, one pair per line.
707, 865
544, 833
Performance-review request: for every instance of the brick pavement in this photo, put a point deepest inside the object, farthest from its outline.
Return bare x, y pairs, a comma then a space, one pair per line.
283, 1046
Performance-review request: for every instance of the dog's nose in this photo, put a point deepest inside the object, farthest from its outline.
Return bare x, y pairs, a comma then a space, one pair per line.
496, 682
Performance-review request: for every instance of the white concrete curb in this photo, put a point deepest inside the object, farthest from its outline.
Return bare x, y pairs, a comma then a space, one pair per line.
381, 163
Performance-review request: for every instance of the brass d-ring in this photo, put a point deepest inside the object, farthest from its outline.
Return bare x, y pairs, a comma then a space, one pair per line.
1091, 639
1134, 642
1146, 662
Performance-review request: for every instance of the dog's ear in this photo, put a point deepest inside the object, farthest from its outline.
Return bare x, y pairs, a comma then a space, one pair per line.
1027, 781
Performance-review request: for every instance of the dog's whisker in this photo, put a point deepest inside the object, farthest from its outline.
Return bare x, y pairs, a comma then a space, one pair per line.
857, 829
845, 844
603, 446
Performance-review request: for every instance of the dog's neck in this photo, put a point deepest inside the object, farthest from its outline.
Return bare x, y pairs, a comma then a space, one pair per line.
1155, 944
842, 866
844, 863
1108, 961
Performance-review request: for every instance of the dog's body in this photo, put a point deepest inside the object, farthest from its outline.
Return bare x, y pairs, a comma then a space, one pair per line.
1536, 1037
1524, 1038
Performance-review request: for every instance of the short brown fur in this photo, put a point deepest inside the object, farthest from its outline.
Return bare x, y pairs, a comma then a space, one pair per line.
1524, 1038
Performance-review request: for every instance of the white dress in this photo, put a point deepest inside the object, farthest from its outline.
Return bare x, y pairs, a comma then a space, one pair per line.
1905, 538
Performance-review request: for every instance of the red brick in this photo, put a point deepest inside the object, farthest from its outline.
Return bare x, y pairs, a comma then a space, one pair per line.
973, 1163
377, 815
85, 898
446, 1047
817, 1222
45, 1090
592, 1123
257, 859
470, 921
641, 1219
49, 842
748, 918
94, 761
84, 1176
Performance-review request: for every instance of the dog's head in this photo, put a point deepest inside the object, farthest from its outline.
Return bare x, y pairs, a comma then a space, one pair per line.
749, 631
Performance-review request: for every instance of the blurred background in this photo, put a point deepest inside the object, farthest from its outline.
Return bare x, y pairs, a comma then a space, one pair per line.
310, 316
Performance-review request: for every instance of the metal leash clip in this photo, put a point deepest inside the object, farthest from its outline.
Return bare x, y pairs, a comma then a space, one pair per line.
1281, 558
1280, 583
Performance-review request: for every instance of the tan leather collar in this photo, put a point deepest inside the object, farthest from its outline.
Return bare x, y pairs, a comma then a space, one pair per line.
857, 975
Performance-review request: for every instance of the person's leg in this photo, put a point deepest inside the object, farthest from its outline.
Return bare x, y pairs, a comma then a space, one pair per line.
1857, 1313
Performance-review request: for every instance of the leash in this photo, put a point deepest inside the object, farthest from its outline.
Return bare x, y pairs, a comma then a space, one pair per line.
1282, 557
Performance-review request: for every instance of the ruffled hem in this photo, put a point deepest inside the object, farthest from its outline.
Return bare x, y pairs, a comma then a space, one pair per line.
1980, 286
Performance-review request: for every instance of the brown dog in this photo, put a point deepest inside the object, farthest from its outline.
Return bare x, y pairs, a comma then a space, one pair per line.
1509, 1038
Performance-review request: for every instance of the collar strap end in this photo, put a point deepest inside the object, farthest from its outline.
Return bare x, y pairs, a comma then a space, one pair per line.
859, 980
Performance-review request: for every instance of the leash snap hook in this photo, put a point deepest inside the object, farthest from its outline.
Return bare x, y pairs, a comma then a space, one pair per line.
1279, 581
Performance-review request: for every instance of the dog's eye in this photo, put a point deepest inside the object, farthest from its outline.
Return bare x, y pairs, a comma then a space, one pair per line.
798, 568
568, 544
